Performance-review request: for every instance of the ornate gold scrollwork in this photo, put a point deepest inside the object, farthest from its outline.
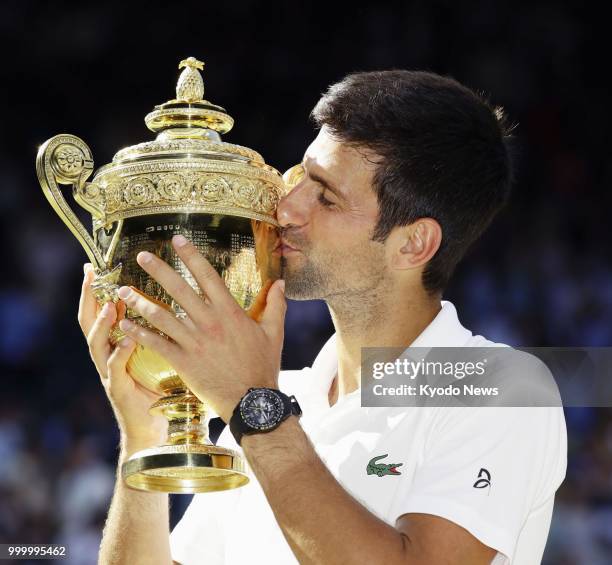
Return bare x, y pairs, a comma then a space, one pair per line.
66, 159
202, 191
105, 285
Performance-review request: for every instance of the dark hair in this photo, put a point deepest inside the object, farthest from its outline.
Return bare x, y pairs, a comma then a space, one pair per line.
444, 153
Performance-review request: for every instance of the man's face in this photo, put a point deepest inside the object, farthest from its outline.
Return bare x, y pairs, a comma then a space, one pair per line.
327, 222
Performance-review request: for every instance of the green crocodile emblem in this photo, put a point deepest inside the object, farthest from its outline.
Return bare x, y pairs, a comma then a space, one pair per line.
380, 469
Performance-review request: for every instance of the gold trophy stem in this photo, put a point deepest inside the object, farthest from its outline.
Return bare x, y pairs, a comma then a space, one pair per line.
187, 418
188, 462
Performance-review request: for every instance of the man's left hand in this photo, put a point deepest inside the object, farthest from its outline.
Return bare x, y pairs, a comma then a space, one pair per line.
218, 350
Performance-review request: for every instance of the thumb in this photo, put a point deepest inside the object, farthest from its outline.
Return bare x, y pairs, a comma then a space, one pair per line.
273, 317
116, 365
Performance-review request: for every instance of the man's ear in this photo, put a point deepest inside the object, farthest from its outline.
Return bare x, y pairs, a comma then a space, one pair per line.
414, 245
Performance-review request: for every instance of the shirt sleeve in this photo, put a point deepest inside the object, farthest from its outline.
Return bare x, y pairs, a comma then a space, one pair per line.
487, 469
200, 536
205, 530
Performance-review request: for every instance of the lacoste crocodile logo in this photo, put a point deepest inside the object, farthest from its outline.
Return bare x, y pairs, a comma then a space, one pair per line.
380, 469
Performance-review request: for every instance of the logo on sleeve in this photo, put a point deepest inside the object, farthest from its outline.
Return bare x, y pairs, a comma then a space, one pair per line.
380, 469
484, 479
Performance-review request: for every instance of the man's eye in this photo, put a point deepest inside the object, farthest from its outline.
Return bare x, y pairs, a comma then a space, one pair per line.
324, 201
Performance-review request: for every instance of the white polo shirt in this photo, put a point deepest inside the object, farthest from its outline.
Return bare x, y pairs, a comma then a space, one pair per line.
520, 453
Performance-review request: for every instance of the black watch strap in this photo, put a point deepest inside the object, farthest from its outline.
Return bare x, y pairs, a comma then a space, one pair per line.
239, 427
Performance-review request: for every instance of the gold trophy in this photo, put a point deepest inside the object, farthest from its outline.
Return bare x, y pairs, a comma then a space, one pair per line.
223, 198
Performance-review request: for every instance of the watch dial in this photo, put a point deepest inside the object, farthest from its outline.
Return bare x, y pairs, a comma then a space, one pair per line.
262, 409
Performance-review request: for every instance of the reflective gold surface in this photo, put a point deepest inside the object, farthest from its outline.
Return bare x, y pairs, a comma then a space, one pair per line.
178, 469
223, 198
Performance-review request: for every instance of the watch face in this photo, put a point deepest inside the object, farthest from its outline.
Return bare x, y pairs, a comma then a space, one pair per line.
262, 409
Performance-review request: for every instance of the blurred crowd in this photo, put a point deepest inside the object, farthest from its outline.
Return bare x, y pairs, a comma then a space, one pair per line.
541, 276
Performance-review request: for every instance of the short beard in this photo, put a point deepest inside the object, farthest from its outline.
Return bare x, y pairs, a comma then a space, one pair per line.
353, 306
320, 279
308, 284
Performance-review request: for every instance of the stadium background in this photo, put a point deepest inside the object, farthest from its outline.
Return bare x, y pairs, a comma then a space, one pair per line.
541, 276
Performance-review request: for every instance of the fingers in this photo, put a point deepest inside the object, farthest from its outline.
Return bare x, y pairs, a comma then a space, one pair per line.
273, 317
204, 273
116, 363
160, 317
97, 338
87, 302
174, 284
170, 351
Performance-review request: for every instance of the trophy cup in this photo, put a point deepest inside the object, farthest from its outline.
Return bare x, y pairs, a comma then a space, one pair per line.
223, 198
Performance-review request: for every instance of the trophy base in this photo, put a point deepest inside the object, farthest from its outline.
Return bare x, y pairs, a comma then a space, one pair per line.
185, 469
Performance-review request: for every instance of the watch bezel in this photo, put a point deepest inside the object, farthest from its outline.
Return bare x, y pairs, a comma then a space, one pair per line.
271, 394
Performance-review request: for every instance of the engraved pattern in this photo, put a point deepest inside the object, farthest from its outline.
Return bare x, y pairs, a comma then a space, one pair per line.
201, 191
187, 145
91, 191
269, 199
244, 193
209, 189
190, 86
180, 428
105, 285
186, 398
173, 187
47, 169
112, 197
69, 159
140, 190
250, 170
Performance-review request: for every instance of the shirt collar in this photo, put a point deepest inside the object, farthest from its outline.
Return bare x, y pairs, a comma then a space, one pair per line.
445, 330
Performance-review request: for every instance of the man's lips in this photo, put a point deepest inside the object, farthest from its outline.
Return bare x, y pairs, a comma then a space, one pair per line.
284, 248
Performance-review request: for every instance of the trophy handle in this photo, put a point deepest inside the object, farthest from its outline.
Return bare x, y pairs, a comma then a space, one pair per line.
112, 246
66, 159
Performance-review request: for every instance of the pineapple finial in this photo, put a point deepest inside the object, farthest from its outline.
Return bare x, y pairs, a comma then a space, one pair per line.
190, 86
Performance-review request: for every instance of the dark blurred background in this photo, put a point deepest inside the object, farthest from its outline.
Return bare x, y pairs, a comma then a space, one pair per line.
541, 276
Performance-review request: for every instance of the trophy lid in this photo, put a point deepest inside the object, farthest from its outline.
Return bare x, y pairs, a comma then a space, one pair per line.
187, 167
189, 109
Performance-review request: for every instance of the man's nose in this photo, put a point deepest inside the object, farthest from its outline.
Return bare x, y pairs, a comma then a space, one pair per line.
293, 208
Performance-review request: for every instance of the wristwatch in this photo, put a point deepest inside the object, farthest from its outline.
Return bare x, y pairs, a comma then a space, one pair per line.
262, 410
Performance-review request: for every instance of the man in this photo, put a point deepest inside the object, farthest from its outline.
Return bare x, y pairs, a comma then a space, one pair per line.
408, 169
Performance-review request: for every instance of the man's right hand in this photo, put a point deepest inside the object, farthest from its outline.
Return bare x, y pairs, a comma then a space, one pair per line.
130, 400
